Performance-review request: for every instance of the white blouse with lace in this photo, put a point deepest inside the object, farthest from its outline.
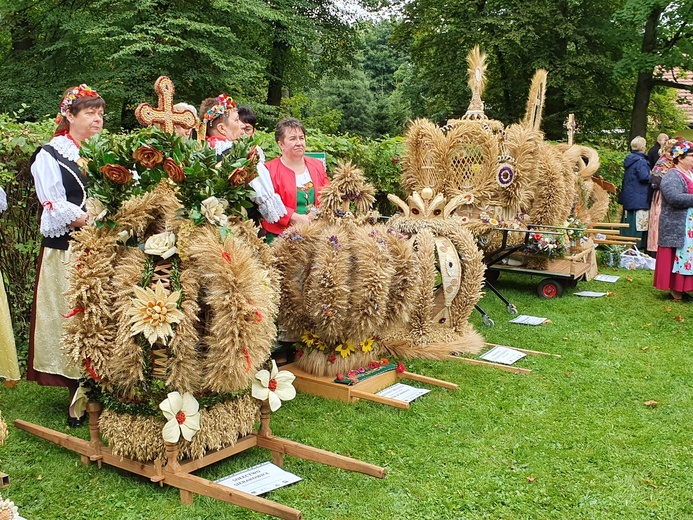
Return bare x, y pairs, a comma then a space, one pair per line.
269, 203
3, 200
58, 213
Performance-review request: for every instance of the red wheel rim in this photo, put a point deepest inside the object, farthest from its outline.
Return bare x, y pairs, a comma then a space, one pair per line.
549, 290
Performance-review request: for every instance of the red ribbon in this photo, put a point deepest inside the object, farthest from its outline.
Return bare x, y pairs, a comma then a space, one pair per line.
48, 204
73, 312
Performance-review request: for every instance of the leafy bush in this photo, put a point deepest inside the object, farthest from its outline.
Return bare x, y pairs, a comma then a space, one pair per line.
19, 229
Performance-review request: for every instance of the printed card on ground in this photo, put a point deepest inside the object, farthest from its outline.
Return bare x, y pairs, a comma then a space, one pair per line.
524, 319
259, 479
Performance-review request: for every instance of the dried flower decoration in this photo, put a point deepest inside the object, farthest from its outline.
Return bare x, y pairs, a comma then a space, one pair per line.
183, 416
277, 386
223, 104
153, 312
77, 92
161, 244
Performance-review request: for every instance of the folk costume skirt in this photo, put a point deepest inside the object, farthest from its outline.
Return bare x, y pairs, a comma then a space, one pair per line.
48, 365
9, 367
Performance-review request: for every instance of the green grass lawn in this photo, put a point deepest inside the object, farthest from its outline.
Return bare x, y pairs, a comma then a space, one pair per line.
574, 439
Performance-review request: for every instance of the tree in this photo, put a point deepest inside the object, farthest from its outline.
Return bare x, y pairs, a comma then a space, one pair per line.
575, 40
666, 44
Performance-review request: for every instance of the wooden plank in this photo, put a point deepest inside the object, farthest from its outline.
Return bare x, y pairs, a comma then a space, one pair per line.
614, 242
302, 451
402, 405
610, 224
507, 368
211, 457
429, 380
526, 351
202, 486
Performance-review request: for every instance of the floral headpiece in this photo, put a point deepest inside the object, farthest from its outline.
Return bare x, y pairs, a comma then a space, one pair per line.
77, 92
223, 104
681, 149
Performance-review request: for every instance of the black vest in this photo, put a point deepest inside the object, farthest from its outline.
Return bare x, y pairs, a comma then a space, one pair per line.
73, 191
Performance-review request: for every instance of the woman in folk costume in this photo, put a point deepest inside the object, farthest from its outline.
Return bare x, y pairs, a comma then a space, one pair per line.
61, 189
663, 165
223, 127
297, 179
9, 367
674, 267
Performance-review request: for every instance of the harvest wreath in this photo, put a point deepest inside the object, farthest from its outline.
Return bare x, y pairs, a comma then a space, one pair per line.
169, 293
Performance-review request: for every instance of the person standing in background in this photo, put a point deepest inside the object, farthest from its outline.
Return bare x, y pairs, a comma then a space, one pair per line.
61, 189
9, 366
664, 164
656, 150
674, 267
296, 178
636, 178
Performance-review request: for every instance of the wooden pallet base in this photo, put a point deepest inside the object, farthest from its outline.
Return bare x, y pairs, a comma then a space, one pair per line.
325, 386
178, 473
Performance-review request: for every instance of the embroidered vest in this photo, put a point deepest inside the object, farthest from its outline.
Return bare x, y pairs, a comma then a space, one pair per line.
73, 192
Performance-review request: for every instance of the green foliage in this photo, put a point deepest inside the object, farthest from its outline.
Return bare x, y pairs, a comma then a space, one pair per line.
201, 177
19, 227
574, 41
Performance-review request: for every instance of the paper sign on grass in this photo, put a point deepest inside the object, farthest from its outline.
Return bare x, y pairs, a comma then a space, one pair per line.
402, 392
523, 319
590, 294
259, 479
606, 278
504, 355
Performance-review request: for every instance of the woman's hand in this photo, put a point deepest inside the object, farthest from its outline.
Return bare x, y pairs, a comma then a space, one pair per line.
80, 222
297, 218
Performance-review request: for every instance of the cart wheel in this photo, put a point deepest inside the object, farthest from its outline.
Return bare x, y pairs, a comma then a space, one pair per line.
511, 309
491, 275
488, 321
550, 288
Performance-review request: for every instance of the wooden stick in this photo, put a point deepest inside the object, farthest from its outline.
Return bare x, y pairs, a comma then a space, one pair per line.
603, 231
429, 380
402, 405
302, 451
615, 242
507, 368
526, 351
610, 224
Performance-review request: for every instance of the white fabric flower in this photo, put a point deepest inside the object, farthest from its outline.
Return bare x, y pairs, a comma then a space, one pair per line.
213, 210
95, 209
183, 415
162, 244
276, 386
124, 236
79, 401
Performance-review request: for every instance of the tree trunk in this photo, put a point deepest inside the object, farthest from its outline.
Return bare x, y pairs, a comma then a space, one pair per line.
280, 55
643, 88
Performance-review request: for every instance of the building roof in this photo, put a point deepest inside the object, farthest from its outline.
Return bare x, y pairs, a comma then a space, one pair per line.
685, 96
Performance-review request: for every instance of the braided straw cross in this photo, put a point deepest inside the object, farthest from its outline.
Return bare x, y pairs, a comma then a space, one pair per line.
164, 115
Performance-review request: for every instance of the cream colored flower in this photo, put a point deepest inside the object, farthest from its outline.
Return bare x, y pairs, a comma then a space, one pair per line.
95, 209
183, 415
213, 210
8, 510
162, 244
153, 312
79, 402
275, 385
123, 236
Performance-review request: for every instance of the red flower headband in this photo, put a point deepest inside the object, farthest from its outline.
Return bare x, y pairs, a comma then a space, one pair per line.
223, 103
77, 92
